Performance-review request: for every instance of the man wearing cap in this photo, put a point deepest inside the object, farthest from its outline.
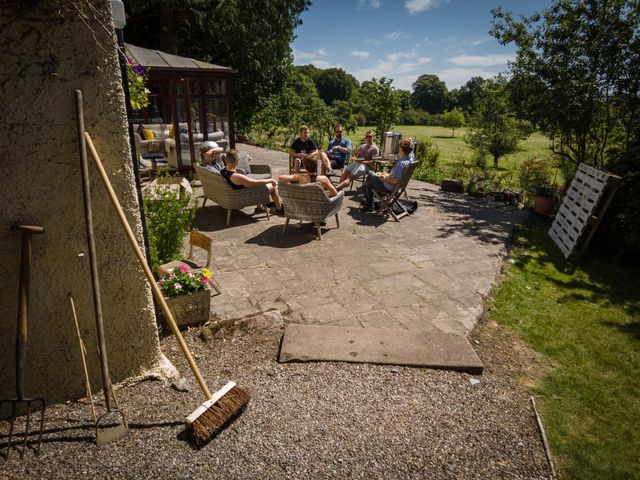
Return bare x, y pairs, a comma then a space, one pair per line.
212, 156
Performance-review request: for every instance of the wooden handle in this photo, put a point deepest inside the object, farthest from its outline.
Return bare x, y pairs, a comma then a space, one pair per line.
145, 267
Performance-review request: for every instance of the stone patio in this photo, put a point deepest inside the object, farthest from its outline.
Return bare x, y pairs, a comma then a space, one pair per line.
428, 272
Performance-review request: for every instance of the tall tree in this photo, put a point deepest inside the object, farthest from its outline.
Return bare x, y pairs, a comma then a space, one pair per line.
251, 36
576, 74
468, 95
496, 131
382, 104
430, 94
336, 84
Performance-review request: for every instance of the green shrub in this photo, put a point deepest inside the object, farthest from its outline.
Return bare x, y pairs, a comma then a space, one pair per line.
534, 172
169, 217
427, 154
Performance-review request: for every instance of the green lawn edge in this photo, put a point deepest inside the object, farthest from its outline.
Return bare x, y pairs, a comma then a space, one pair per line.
583, 317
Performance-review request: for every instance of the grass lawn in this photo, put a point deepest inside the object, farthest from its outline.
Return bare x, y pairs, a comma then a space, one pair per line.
454, 150
584, 318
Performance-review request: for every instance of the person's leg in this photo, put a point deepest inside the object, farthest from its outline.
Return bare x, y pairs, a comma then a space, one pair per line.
326, 165
373, 183
345, 180
275, 196
297, 163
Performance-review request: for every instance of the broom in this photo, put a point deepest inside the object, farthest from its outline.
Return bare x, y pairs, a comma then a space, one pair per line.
220, 409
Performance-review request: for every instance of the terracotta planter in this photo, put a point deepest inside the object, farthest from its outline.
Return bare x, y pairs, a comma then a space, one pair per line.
190, 310
544, 204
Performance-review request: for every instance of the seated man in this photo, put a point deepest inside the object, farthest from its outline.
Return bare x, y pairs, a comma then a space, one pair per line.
385, 182
364, 158
302, 147
337, 154
212, 156
238, 180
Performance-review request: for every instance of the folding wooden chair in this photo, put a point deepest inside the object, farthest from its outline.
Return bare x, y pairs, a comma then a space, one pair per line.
388, 200
200, 240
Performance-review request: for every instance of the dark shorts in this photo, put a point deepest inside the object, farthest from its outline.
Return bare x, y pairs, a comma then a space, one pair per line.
336, 163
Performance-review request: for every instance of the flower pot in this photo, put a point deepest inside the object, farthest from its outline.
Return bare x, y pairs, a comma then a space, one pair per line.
544, 204
190, 310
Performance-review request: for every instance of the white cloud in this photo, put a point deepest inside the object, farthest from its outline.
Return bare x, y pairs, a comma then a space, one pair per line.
480, 41
302, 55
418, 6
392, 66
481, 60
455, 77
363, 4
393, 36
360, 54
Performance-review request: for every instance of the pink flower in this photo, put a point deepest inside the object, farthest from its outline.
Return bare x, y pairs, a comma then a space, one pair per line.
205, 279
177, 286
191, 275
183, 268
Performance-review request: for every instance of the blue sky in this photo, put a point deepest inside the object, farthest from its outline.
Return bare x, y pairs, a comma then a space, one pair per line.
403, 39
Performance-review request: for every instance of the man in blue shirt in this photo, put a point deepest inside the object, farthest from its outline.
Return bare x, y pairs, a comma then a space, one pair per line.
383, 182
337, 154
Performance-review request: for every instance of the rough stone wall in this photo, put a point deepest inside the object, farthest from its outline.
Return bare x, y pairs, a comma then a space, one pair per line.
47, 50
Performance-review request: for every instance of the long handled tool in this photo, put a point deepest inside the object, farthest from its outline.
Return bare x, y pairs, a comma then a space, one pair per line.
21, 402
83, 353
219, 410
110, 434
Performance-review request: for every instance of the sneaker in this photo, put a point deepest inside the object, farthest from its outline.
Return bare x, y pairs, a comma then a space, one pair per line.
330, 173
368, 208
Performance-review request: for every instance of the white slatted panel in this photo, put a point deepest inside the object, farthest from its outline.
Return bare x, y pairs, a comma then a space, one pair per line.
577, 207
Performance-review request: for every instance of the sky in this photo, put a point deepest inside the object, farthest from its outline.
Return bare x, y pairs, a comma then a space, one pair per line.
403, 39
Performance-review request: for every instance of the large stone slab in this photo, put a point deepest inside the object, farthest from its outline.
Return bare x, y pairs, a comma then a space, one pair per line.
418, 348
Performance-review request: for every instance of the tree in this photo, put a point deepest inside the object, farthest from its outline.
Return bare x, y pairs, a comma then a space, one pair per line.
576, 73
453, 119
381, 104
430, 94
336, 84
468, 95
496, 131
406, 102
251, 36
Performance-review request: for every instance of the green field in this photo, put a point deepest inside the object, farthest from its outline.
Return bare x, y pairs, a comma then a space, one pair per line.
453, 151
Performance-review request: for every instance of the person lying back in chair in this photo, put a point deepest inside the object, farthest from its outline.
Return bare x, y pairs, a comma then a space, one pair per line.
212, 156
238, 180
385, 182
311, 166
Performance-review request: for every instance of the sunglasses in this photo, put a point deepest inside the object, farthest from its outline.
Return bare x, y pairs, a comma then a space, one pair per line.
369, 136
338, 131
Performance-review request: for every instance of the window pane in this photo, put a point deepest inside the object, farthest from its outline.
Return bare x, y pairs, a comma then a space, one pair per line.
217, 115
217, 86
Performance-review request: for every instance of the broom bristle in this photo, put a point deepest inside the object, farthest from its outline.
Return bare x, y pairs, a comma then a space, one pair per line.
215, 418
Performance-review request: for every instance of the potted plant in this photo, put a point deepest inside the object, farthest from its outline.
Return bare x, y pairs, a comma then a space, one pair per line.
187, 295
545, 198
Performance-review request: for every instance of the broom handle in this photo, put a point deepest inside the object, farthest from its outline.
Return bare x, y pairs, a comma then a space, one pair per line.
145, 267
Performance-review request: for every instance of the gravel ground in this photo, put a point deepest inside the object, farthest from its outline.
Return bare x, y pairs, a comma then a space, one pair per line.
317, 420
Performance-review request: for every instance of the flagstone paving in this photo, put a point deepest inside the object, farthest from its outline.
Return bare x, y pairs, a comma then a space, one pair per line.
430, 271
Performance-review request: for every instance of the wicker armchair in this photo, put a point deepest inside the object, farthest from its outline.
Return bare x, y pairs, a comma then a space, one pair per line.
216, 188
309, 203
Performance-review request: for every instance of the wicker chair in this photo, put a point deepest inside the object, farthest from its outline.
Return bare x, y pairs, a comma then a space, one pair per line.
216, 188
309, 203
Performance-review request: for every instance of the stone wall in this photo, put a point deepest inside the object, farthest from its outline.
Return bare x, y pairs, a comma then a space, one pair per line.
47, 50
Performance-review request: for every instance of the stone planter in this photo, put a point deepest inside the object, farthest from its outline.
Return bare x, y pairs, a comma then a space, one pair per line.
190, 310
544, 204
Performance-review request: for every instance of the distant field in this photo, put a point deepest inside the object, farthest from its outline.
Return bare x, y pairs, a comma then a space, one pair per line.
454, 150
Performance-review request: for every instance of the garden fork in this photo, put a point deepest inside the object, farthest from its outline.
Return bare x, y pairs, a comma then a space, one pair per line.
20, 403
